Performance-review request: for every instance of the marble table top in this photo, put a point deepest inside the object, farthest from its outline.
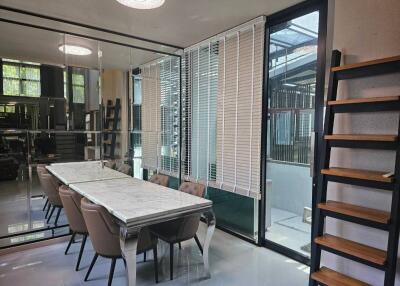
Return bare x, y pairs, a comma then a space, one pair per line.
76, 172
137, 202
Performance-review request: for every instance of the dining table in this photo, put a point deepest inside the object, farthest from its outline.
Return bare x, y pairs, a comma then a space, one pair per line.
135, 203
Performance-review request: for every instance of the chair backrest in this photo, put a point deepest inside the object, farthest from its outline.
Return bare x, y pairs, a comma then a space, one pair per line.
71, 201
103, 231
193, 189
159, 179
190, 224
110, 164
50, 189
125, 168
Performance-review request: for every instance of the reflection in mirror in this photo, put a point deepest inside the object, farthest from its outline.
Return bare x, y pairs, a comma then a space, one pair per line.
65, 98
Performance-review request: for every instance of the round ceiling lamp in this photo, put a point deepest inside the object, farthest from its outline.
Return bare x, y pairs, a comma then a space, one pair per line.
75, 50
142, 4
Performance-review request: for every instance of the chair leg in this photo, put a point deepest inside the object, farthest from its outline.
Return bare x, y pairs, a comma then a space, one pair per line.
45, 204
155, 263
171, 261
81, 252
111, 275
198, 243
70, 242
51, 213
91, 266
58, 215
48, 209
144, 256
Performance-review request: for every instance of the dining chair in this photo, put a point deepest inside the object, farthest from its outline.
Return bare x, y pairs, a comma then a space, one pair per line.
125, 168
104, 234
179, 230
159, 179
50, 188
42, 168
110, 164
71, 201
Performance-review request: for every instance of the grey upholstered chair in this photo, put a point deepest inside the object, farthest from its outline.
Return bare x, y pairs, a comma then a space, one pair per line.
50, 188
125, 168
110, 164
159, 179
71, 201
183, 229
42, 168
104, 234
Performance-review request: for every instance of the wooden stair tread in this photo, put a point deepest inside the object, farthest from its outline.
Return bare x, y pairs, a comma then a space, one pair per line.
364, 100
330, 277
358, 174
356, 211
353, 248
362, 137
366, 64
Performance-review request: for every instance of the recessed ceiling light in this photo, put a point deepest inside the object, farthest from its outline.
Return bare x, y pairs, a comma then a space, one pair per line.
142, 4
74, 50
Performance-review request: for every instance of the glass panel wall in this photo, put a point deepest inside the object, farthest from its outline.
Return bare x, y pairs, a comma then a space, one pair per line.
291, 109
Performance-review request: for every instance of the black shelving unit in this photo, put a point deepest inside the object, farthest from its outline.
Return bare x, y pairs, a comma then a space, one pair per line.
384, 260
111, 128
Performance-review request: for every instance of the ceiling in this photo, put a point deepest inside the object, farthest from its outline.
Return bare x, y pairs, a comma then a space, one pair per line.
177, 22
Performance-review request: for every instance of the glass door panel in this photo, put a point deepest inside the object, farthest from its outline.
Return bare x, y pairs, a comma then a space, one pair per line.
291, 108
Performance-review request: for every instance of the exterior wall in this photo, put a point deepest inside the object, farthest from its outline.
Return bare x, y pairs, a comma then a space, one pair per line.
363, 30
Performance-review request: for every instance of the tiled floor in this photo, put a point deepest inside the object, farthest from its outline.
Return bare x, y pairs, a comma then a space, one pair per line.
233, 262
20, 214
289, 230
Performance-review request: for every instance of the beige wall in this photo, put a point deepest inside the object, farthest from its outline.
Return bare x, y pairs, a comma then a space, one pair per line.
114, 85
364, 30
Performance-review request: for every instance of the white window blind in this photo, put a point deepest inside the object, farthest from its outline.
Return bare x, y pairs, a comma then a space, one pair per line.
150, 115
239, 111
222, 100
160, 115
199, 112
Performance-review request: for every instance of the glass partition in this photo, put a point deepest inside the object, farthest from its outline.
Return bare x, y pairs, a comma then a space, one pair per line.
63, 98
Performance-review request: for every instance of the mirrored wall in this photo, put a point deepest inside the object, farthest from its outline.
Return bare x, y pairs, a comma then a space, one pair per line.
67, 98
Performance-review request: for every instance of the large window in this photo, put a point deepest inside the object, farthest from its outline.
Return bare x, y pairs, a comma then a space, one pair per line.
21, 78
78, 87
160, 115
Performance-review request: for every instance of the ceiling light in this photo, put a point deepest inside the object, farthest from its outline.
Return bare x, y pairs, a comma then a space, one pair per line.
74, 50
142, 4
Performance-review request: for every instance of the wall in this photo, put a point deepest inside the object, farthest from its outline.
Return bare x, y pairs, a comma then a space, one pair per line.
364, 30
291, 192
114, 85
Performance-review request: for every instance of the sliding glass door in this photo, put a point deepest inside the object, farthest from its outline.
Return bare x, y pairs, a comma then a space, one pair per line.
291, 124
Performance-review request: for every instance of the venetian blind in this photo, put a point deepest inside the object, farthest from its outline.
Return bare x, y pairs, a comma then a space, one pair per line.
160, 115
239, 111
150, 115
199, 112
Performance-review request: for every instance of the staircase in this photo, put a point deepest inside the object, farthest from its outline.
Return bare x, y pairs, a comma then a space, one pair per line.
388, 221
111, 128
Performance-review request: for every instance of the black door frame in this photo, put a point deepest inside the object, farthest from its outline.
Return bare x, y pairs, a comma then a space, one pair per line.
272, 20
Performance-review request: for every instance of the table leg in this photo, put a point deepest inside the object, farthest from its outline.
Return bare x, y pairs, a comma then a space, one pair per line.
210, 218
128, 242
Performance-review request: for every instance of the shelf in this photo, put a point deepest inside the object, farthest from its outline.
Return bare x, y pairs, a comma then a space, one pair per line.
366, 141
358, 174
366, 64
364, 100
368, 68
356, 211
354, 249
330, 277
362, 137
